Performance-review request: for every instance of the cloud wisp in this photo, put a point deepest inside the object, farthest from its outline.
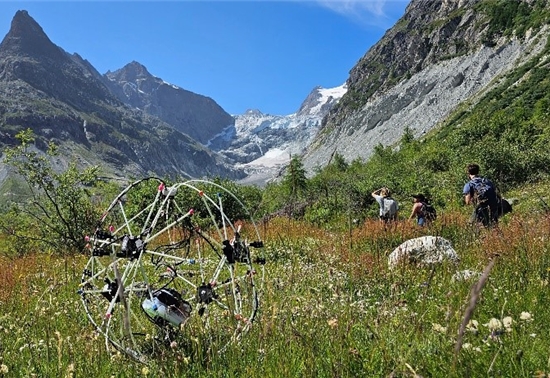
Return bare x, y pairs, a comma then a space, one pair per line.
381, 13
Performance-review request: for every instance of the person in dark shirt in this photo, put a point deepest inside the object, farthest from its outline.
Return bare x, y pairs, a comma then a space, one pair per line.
481, 193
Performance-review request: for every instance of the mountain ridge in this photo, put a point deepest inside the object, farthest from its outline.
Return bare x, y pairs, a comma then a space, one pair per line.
63, 99
196, 115
263, 144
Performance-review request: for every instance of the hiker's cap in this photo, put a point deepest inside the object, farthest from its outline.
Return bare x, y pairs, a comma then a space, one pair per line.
419, 197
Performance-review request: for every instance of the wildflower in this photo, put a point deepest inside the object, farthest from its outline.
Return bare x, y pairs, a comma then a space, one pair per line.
472, 325
333, 323
526, 316
439, 328
145, 371
507, 322
4, 369
494, 324
467, 346
173, 344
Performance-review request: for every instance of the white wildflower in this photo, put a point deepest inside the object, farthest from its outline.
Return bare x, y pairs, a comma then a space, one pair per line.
494, 324
507, 322
526, 316
439, 328
472, 325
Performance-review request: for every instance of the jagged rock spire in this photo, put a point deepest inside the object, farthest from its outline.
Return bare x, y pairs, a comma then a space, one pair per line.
26, 38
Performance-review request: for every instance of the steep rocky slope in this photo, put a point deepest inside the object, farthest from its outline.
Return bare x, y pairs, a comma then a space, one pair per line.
438, 56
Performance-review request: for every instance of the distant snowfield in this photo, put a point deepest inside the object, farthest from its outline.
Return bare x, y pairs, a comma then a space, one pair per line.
273, 158
266, 168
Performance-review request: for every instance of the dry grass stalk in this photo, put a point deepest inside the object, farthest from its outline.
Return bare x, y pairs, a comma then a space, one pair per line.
474, 295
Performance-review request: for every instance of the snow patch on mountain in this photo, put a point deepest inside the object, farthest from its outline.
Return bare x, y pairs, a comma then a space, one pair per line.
324, 98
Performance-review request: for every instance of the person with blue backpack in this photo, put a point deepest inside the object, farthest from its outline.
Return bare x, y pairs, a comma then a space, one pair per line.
481, 193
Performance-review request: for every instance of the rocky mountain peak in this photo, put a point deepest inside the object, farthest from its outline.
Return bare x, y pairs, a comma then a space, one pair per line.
26, 38
131, 72
425, 10
253, 112
198, 116
28, 55
320, 100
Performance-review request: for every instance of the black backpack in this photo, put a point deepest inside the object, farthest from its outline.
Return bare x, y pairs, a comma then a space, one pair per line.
430, 213
504, 207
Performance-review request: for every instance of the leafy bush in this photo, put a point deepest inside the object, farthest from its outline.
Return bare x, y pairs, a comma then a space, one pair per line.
59, 211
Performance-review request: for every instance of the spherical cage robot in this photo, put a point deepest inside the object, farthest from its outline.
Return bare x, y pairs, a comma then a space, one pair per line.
167, 260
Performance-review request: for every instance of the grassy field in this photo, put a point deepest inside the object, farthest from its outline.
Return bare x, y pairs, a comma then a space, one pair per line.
330, 307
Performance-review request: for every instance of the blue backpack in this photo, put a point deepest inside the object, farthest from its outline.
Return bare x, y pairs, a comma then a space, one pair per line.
484, 192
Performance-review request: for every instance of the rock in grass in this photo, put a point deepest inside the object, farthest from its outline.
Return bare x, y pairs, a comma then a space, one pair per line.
425, 250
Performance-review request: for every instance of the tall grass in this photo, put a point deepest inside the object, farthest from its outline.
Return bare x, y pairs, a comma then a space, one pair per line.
330, 307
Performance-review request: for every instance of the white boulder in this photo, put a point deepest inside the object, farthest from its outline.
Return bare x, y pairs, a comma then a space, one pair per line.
424, 250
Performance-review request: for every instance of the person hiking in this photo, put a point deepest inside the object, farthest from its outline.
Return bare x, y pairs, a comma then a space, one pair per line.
422, 210
481, 193
388, 206
417, 209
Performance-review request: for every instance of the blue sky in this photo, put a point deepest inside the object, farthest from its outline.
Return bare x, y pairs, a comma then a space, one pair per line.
265, 55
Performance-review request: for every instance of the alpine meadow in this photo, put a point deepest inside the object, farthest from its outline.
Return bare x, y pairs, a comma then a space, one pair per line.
294, 278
